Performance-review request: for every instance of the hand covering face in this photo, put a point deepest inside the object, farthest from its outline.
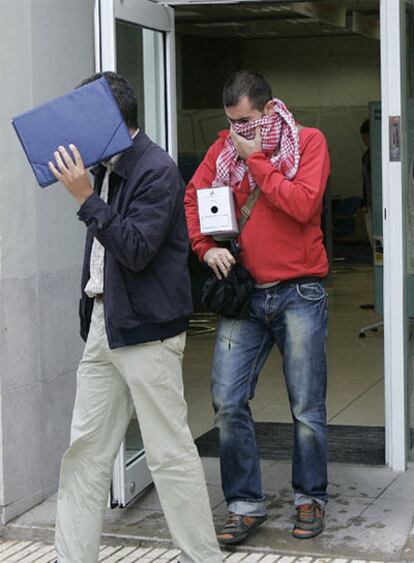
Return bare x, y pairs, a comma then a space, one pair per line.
280, 142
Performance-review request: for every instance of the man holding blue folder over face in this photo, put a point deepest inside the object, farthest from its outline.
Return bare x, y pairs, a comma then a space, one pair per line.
134, 312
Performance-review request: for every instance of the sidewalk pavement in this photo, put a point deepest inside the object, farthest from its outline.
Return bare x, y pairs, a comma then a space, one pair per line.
369, 518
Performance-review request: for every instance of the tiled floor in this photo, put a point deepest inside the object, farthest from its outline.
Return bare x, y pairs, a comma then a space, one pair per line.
355, 365
37, 552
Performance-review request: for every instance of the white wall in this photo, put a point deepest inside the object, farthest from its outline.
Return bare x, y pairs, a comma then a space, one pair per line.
46, 48
326, 81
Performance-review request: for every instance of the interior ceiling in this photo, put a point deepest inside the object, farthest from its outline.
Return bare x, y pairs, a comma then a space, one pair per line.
277, 19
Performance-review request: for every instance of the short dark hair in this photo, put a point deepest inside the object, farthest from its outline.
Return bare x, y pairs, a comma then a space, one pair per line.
123, 94
364, 129
250, 84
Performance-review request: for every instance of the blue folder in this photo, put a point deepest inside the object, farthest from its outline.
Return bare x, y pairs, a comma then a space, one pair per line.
88, 117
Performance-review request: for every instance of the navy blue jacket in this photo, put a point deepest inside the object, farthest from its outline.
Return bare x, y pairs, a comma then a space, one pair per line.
147, 294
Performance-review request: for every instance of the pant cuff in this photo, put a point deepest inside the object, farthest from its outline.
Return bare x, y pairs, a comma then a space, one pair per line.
247, 508
306, 499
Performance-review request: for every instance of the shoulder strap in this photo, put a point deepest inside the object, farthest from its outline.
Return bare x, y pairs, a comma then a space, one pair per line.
247, 208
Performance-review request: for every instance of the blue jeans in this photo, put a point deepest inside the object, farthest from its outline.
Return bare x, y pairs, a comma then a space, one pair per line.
294, 316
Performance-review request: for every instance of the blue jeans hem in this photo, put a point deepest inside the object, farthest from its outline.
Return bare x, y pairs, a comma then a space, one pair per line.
247, 508
305, 499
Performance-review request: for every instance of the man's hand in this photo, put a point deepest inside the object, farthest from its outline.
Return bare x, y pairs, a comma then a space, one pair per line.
220, 260
246, 147
72, 173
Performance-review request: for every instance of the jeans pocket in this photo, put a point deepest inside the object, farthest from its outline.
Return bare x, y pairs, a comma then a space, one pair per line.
311, 291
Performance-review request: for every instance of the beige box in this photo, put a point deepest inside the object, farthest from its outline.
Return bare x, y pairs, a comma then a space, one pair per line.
216, 211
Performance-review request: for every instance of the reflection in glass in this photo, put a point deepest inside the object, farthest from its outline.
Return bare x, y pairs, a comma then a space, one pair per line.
134, 446
140, 59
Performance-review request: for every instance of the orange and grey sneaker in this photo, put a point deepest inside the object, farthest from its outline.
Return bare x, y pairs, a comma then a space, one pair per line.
309, 521
237, 527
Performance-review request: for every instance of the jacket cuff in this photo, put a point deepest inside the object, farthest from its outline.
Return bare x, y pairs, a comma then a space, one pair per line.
94, 210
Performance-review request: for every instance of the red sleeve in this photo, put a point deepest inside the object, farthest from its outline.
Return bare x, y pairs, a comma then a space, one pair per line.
203, 178
301, 197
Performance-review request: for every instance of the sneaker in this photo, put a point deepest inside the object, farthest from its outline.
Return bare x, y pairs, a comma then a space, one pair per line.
237, 527
309, 521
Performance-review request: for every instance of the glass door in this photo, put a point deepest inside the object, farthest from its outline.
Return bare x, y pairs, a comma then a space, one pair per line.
140, 59
136, 39
131, 475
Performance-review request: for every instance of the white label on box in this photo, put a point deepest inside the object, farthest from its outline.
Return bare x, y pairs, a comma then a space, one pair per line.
216, 222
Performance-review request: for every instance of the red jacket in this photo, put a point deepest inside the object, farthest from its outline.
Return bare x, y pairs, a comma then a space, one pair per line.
282, 238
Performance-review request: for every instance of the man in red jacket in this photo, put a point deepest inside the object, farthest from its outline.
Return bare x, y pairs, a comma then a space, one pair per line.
281, 246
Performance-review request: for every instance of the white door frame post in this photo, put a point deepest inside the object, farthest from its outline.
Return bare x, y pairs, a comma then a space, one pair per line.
395, 318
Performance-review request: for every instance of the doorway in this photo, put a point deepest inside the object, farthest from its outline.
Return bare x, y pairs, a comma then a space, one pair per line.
325, 65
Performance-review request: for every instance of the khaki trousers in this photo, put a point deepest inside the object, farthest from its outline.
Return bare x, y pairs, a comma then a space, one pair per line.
109, 384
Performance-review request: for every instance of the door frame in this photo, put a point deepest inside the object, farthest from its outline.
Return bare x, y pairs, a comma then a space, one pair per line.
152, 16
395, 314
395, 311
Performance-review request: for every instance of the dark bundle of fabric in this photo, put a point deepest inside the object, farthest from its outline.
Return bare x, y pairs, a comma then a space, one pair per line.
229, 297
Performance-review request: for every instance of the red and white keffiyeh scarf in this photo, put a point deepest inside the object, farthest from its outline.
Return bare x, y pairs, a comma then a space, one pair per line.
280, 138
